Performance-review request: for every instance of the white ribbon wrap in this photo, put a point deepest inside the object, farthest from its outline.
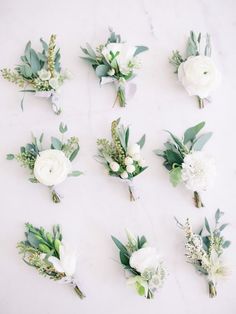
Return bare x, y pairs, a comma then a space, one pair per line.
128, 86
134, 196
54, 98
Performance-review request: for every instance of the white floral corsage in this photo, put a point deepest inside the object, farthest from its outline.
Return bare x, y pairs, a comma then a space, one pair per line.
47, 253
143, 265
187, 164
197, 71
115, 62
204, 250
51, 166
40, 73
122, 159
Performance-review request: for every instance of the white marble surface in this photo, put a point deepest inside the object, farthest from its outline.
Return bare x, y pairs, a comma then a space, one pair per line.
95, 206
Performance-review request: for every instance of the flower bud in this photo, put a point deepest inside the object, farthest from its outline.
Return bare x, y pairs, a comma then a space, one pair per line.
142, 163
114, 166
124, 175
130, 168
134, 149
128, 161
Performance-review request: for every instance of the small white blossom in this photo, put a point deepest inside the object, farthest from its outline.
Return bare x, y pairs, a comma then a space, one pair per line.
111, 72
130, 168
114, 166
136, 157
128, 161
124, 175
44, 75
142, 163
54, 83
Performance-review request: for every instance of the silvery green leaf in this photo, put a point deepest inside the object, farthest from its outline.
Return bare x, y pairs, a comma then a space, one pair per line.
44, 44
27, 51
41, 138
201, 141
222, 227
34, 61
90, 60
75, 173
159, 152
33, 180
57, 61
91, 51
207, 225
226, 244
140, 49
218, 214
102, 70
190, 134
74, 154
56, 143
142, 140
10, 156
208, 46
42, 57
63, 127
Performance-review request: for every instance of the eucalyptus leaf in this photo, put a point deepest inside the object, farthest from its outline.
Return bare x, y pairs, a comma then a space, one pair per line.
140, 49
56, 143
175, 176
226, 244
102, 70
10, 156
222, 227
201, 141
63, 128
207, 225
190, 134
75, 173
142, 140
74, 154
91, 52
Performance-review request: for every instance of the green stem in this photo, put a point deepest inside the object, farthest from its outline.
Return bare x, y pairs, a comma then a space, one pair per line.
56, 198
131, 196
197, 200
212, 289
200, 102
79, 292
121, 96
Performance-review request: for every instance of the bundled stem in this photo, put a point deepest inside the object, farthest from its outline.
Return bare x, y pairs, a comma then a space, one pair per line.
56, 198
200, 102
212, 289
131, 196
121, 96
197, 200
79, 292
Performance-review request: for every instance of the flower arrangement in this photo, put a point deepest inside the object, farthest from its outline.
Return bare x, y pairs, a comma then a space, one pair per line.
204, 250
47, 253
51, 166
186, 162
115, 62
40, 73
197, 71
143, 264
120, 158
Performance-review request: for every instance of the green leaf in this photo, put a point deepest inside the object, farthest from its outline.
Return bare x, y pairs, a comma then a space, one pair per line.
222, 227
140, 49
33, 240
63, 128
127, 137
190, 134
207, 225
159, 152
57, 244
74, 154
201, 141
141, 290
56, 143
34, 61
91, 52
175, 176
10, 156
226, 244
102, 70
120, 246
27, 51
124, 259
33, 180
141, 142
44, 248
177, 141
218, 214
141, 242
41, 138
44, 44
75, 173
173, 157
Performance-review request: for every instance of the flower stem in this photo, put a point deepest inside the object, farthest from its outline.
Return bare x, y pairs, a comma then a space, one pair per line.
56, 198
197, 200
131, 196
200, 102
212, 289
121, 96
79, 292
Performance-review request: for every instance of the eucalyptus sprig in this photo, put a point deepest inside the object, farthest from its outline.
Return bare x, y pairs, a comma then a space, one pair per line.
49, 166
46, 252
39, 72
204, 250
121, 159
186, 164
115, 62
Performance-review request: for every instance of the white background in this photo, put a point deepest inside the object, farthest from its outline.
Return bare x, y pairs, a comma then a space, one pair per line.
94, 205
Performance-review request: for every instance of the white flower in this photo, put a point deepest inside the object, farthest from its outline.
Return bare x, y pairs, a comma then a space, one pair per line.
198, 171
142, 163
111, 72
199, 76
54, 83
44, 75
124, 175
67, 262
114, 166
145, 259
51, 167
133, 149
128, 161
130, 168
136, 157
124, 57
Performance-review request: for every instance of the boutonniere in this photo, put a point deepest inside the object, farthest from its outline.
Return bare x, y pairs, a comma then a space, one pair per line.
197, 71
187, 164
115, 62
143, 265
40, 73
204, 250
120, 158
50, 166
47, 253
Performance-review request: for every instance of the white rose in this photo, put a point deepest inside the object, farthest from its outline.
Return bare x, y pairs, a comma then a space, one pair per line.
128, 161
130, 168
51, 167
126, 54
198, 171
66, 263
133, 149
124, 175
142, 163
145, 258
199, 76
114, 166
44, 75
54, 83
136, 157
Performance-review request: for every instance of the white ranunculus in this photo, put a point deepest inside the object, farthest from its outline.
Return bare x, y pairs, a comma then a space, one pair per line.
44, 75
130, 168
142, 163
66, 263
145, 259
51, 167
125, 56
128, 161
198, 171
54, 83
124, 175
114, 166
133, 149
199, 76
